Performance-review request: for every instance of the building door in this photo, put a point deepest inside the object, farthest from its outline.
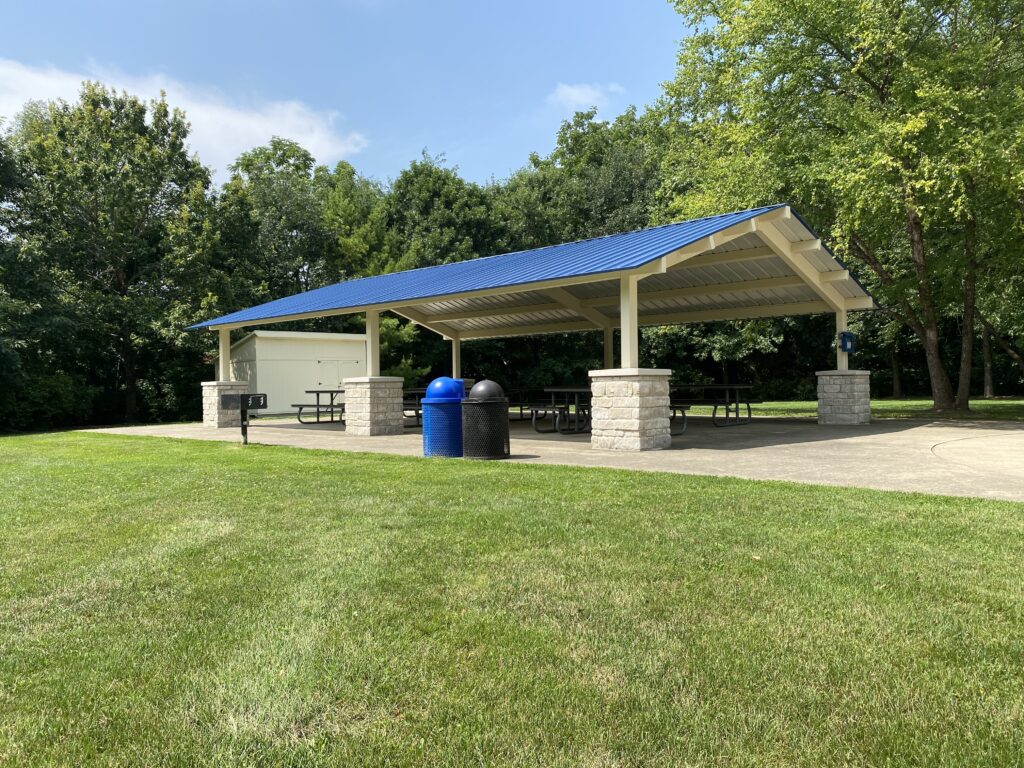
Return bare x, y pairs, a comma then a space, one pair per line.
328, 374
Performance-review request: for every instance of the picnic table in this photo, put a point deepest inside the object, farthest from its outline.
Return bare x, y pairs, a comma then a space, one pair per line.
569, 410
411, 402
333, 408
729, 397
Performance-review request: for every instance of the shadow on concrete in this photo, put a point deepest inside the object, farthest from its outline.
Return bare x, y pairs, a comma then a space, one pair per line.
761, 432
703, 434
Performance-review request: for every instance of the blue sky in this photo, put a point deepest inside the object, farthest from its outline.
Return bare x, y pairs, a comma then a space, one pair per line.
371, 81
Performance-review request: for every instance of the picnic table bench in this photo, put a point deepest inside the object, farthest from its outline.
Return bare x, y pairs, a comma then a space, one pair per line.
731, 398
677, 411
411, 402
519, 400
569, 410
334, 410
570, 413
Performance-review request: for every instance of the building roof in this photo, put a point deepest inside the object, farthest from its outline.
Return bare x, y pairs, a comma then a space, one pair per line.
710, 268
299, 336
309, 335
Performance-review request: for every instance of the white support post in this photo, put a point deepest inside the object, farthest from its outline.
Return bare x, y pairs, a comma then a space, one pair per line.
842, 358
372, 342
629, 323
456, 359
609, 347
224, 355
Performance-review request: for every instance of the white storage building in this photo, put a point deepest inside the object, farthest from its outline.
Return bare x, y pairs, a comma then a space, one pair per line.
284, 364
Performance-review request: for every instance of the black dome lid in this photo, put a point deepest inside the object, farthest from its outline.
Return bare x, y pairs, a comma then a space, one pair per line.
487, 390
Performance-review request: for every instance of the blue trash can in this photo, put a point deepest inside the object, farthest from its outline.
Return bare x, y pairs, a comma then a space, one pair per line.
442, 417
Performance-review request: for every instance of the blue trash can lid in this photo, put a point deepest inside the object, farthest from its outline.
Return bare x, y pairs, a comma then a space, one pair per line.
444, 390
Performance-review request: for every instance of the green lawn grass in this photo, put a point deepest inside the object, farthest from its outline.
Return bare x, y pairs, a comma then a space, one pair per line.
1002, 409
179, 603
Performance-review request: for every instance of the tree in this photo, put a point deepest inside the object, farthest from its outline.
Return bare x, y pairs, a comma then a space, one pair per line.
354, 214
111, 216
433, 216
893, 124
275, 214
601, 178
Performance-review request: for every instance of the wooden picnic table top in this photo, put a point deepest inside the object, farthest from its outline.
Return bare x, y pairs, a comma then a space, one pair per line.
325, 391
567, 390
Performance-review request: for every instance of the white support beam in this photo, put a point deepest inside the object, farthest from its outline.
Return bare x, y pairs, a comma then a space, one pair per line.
630, 329
668, 318
842, 358
729, 257
686, 252
860, 302
656, 267
796, 262
738, 313
784, 213
575, 304
709, 243
835, 277
456, 359
372, 343
510, 310
426, 321
509, 331
807, 246
224, 355
714, 289
609, 348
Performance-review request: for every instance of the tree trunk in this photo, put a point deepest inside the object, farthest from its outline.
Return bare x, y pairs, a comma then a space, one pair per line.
986, 352
963, 390
942, 389
897, 381
1008, 348
131, 388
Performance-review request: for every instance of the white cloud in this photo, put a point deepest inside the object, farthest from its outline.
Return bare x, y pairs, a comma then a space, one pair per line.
574, 97
221, 128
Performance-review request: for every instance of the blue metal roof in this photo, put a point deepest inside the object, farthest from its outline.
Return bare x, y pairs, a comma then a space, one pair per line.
596, 256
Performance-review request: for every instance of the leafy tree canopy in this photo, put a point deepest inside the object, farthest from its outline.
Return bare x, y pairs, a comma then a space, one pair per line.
893, 124
112, 225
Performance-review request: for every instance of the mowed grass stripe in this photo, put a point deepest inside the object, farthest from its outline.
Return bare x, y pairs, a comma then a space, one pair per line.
178, 602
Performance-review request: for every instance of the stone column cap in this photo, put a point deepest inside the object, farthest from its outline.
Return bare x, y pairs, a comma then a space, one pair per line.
373, 379
615, 372
842, 373
223, 383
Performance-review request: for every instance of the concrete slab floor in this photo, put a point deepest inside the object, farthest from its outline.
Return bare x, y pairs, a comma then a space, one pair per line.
956, 458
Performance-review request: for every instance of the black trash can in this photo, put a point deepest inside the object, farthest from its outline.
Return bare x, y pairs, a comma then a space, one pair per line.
485, 422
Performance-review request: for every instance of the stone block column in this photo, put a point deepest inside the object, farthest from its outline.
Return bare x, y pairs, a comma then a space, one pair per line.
844, 397
373, 405
213, 414
629, 409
